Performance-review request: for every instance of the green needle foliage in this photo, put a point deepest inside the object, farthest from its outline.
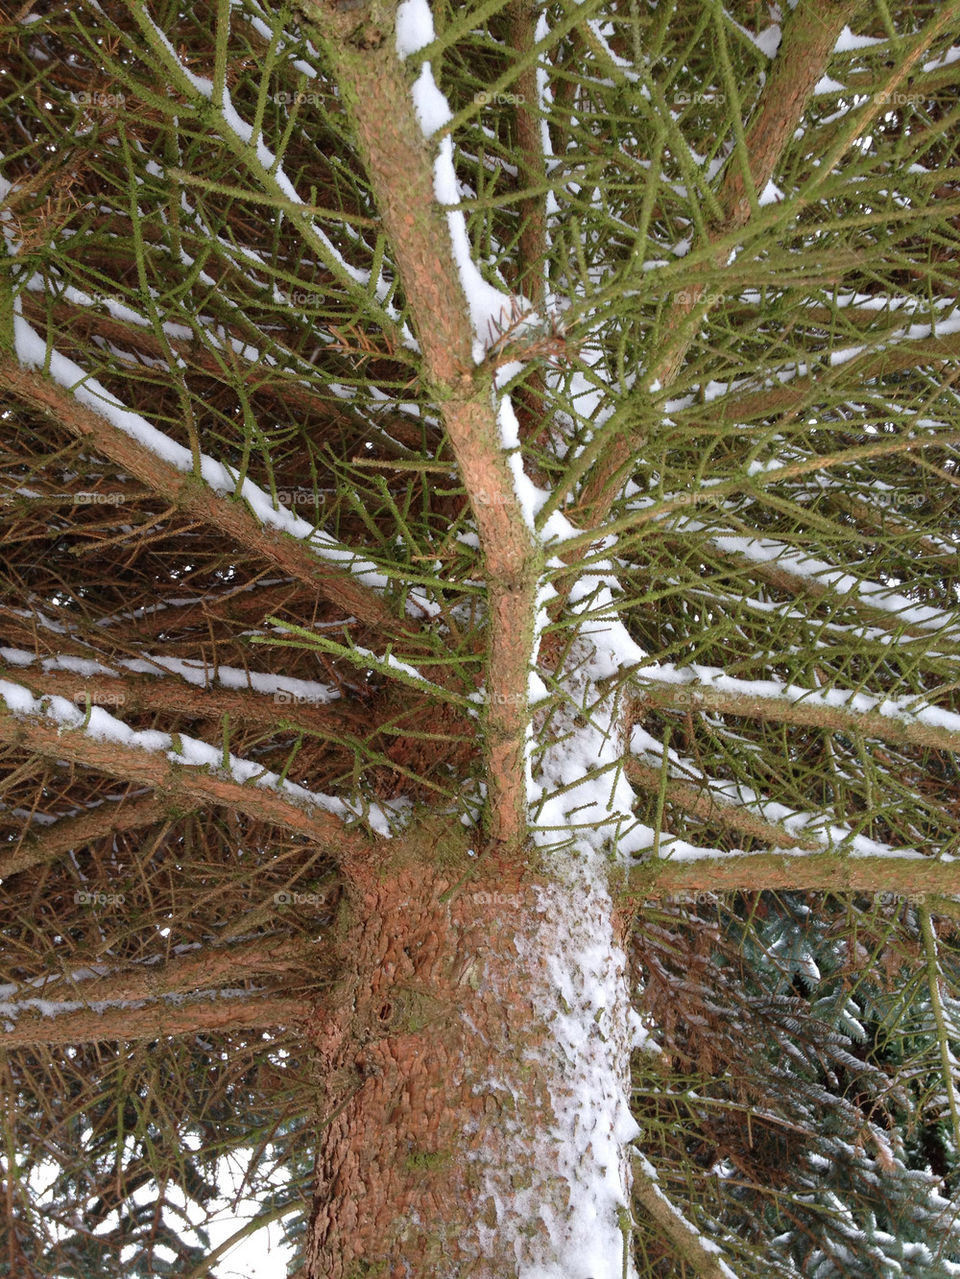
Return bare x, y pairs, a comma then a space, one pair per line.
739, 405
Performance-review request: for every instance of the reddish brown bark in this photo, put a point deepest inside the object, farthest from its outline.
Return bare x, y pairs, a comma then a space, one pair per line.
197, 499
441, 1079
399, 161
395, 1185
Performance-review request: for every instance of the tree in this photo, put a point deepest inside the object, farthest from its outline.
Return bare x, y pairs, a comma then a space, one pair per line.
480, 617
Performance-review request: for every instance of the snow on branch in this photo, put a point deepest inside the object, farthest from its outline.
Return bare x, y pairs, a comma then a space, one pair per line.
88, 410
174, 764
772, 561
904, 873
126, 1021
691, 1248
198, 972
248, 145
710, 807
171, 684
836, 710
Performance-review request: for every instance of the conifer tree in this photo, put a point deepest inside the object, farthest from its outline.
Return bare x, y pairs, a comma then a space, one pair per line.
479, 623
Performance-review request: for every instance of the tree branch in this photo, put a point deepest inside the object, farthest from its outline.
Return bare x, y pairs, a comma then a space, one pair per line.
531, 170
183, 490
708, 807
899, 874
687, 1243
810, 35
208, 969
400, 164
799, 393
165, 691
804, 706
36, 847
244, 606
287, 390
113, 748
778, 574
156, 1021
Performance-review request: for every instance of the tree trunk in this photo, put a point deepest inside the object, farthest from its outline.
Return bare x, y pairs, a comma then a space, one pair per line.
475, 1070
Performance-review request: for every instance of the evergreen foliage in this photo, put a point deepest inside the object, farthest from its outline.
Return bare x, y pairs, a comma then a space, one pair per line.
738, 403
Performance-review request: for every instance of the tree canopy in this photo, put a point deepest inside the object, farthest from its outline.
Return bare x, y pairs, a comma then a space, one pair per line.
525, 431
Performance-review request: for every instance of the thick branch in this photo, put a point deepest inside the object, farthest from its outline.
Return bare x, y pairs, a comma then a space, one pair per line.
125, 1024
208, 969
166, 692
708, 807
193, 497
531, 169
400, 163
184, 783
900, 727
531, 176
46, 844
811, 32
903, 876
809, 38
688, 1246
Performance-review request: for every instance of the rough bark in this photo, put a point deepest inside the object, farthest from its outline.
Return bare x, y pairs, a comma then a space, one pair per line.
443, 1078
908, 876
400, 163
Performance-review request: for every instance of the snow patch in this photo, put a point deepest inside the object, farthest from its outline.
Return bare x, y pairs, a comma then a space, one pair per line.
414, 30
182, 750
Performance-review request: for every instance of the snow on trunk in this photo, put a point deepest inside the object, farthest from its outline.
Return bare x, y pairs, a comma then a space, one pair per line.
475, 1066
